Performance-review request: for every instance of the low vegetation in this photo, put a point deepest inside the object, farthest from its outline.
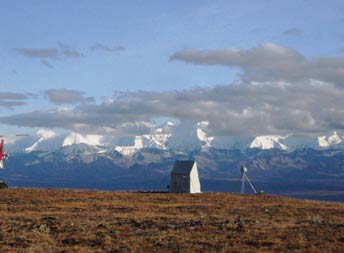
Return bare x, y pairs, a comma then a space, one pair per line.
44, 220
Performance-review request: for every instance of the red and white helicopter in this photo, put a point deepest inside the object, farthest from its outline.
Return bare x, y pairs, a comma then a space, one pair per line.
4, 155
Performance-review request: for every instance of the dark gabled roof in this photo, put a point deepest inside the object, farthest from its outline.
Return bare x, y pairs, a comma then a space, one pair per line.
183, 166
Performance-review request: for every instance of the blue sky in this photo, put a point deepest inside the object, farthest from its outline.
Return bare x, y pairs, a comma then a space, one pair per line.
98, 48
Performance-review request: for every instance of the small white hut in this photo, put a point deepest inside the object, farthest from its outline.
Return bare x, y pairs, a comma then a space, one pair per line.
184, 177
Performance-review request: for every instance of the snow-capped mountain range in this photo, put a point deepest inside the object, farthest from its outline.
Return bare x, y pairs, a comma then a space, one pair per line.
171, 136
73, 160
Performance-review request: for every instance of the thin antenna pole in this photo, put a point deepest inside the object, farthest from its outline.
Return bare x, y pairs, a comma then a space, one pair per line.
243, 183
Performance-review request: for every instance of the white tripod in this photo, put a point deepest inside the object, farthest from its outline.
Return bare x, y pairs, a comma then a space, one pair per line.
243, 178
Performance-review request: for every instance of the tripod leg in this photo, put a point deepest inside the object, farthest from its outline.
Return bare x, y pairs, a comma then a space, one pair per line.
248, 180
242, 184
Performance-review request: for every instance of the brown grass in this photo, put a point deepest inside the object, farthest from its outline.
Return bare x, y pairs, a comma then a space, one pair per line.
42, 220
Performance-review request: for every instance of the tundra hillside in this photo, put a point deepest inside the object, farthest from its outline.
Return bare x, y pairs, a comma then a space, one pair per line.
45, 220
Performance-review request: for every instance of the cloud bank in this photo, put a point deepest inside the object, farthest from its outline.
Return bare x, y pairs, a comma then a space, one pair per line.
294, 31
53, 53
67, 96
269, 62
238, 109
12, 99
102, 47
62, 52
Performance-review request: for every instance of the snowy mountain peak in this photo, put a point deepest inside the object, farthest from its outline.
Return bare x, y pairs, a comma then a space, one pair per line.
145, 141
268, 142
75, 138
43, 135
46, 133
202, 135
327, 141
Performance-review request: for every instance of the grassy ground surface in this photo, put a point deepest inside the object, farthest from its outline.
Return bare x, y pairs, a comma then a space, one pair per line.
41, 220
